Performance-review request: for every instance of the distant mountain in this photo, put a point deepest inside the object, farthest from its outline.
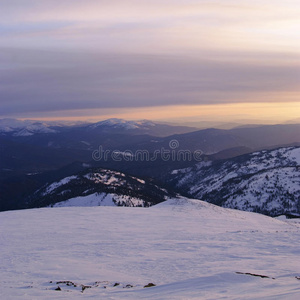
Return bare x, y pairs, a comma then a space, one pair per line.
99, 187
212, 141
294, 121
208, 124
24, 128
121, 123
266, 181
14, 127
140, 127
265, 136
146, 135
30, 146
24, 155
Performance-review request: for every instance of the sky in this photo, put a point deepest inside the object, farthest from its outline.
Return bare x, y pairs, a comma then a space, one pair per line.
180, 59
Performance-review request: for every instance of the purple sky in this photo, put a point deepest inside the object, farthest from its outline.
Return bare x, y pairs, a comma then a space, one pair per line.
72, 57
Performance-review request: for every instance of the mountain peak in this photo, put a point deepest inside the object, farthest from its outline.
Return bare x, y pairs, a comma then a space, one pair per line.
24, 127
125, 124
265, 181
98, 186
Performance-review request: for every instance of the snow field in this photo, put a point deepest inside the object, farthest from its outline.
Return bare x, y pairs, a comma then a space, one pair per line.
188, 248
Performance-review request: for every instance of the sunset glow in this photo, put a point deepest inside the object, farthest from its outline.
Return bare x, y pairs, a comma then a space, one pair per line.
159, 60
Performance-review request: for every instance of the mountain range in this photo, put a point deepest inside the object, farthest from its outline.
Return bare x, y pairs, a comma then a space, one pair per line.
267, 181
36, 154
31, 147
99, 187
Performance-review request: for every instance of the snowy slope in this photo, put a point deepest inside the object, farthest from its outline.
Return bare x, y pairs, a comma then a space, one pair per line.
102, 199
121, 123
98, 186
265, 181
188, 248
137, 127
25, 128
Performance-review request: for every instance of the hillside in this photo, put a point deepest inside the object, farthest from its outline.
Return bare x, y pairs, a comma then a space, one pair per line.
47, 149
264, 181
99, 187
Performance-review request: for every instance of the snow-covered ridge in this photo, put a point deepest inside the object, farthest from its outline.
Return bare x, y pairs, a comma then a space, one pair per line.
101, 176
99, 186
101, 199
52, 187
107, 177
26, 127
30, 127
265, 181
124, 124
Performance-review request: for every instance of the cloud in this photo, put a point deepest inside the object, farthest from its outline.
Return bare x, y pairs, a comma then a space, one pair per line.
49, 81
161, 26
73, 54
